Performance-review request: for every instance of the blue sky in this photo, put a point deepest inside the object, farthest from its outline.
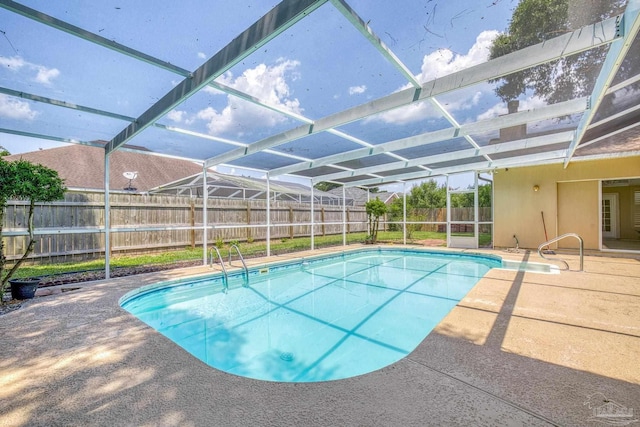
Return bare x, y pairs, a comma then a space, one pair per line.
320, 66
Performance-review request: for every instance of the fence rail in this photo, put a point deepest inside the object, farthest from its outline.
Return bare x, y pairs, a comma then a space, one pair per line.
72, 229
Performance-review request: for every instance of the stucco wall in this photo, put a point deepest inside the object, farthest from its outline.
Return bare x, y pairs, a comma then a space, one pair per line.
517, 207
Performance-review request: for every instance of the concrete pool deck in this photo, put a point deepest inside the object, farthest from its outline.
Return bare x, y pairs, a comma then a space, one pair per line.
520, 349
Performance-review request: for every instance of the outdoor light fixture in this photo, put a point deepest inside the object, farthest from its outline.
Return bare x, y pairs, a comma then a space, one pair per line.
536, 188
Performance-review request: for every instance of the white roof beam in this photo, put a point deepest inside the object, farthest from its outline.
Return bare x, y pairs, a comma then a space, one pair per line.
565, 45
623, 84
58, 103
508, 120
368, 33
550, 111
609, 135
50, 138
612, 118
412, 141
538, 141
279, 19
84, 34
550, 156
455, 123
136, 54
629, 25
64, 104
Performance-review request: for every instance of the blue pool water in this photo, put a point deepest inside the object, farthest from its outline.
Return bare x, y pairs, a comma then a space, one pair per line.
317, 320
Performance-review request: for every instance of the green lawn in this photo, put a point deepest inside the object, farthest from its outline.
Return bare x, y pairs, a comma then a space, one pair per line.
249, 250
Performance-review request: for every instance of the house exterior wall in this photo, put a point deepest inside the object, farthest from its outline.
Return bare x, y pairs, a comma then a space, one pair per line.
567, 197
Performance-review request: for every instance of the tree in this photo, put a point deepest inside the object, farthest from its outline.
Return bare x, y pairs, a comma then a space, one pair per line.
24, 180
326, 186
4, 152
534, 21
375, 209
427, 195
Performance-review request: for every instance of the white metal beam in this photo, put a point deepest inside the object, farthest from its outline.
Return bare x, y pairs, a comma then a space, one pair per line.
505, 147
565, 45
568, 44
455, 124
555, 156
279, 19
64, 104
368, 33
412, 141
509, 120
58, 103
629, 25
117, 47
50, 138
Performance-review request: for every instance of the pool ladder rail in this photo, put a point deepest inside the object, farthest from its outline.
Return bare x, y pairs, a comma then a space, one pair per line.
225, 280
547, 243
244, 264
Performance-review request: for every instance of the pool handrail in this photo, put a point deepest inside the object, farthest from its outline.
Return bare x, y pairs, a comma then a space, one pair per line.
224, 269
555, 239
244, 264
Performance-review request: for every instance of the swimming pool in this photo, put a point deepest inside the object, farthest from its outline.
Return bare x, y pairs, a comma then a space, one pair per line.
317, 319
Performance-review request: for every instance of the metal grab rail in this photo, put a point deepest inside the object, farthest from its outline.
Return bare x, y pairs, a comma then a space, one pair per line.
547, 243
224, 269
244, 264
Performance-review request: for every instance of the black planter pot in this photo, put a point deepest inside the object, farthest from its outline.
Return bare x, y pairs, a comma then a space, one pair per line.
24, 288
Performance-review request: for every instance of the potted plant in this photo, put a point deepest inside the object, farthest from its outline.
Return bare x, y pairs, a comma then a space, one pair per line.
23, 180
375, 209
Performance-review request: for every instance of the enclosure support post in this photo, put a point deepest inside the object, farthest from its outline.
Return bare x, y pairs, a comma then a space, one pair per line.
404, 213
344, 217
107, 222
268, 216
205, 221
312, 217
448, 214
476, 210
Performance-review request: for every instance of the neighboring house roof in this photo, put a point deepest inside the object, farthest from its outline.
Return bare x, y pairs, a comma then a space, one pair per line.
360, 196
82, 166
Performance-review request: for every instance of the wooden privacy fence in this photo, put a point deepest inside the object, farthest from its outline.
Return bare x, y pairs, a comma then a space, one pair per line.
73, 228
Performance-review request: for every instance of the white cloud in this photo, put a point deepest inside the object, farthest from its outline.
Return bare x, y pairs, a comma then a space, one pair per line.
176, 115
356, 90
14, 108
437, 64
444, 61
15, 63
43, 75
202, 55
267, 83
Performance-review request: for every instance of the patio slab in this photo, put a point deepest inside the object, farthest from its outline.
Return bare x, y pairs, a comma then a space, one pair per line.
520, 349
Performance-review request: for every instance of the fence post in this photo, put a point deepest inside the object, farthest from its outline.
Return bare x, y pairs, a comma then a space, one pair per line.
322, 219
291, 222
193, 223
248, 220
348, 221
